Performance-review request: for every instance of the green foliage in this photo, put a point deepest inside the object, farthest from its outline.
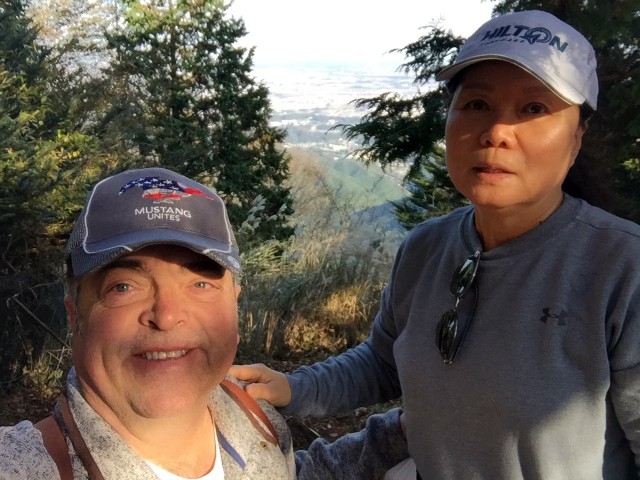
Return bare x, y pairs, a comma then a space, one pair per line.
411, 130
44, 170
432, 194
182, 96
44, 165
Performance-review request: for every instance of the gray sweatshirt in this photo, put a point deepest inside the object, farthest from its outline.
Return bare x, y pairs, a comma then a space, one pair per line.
546, 385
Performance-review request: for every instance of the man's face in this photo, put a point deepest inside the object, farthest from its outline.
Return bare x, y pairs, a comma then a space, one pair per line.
510, 140
156, 331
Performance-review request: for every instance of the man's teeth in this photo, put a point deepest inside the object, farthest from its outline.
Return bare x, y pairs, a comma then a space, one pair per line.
164, 355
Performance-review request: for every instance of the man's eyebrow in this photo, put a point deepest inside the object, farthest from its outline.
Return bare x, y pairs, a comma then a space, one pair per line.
128, 263
206, 267
203, 266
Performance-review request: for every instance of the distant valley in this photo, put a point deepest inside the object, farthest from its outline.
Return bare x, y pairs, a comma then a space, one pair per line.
310, 100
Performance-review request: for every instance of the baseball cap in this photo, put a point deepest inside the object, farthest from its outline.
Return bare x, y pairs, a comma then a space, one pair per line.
150, 206
543, 45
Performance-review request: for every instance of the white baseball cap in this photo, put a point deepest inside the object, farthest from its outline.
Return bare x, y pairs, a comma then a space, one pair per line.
543, 45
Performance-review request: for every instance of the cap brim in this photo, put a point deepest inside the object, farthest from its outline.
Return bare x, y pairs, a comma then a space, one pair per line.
98, 254
451, 71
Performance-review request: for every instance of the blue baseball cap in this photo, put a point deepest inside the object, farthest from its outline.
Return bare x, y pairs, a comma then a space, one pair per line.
150, 206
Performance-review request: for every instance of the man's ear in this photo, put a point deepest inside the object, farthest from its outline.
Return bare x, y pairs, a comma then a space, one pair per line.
238, 288
72, 313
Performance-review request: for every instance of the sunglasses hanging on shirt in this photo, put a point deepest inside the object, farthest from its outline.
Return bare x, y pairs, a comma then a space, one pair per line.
449, 335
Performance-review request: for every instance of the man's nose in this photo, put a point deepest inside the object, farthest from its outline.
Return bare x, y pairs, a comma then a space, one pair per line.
166, 310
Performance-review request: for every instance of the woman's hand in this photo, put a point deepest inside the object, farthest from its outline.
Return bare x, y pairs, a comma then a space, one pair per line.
403, 425
264, 383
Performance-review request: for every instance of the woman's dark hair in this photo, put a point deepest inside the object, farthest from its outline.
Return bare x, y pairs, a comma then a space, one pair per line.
453, 83
586, 112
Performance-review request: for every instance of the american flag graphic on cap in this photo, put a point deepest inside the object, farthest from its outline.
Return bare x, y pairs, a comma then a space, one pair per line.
162, 190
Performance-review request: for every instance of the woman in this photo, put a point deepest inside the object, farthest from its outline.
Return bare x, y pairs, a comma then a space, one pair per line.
511, 327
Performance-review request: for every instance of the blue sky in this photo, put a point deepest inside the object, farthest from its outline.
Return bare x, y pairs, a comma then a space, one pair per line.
347, 31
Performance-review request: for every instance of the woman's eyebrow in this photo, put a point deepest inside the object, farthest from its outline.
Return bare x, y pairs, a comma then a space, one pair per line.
487, 86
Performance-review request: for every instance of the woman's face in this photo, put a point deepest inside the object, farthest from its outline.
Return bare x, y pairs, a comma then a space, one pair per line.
510, 140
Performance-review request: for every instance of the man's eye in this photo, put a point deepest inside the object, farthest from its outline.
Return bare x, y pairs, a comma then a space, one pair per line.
122, 288
201, 284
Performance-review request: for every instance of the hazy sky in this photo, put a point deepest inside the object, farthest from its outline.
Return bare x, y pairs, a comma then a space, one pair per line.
348, 31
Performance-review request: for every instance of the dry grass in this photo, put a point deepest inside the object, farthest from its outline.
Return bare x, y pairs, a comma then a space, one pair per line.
317, 293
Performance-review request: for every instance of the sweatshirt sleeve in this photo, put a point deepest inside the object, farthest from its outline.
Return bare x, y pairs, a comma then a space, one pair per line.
624, 338
356, 378
366, 455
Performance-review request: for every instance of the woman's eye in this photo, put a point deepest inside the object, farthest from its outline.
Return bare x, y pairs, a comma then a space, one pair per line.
477, 105
535, 108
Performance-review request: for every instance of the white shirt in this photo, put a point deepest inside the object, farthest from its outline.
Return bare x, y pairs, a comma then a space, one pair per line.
216, 473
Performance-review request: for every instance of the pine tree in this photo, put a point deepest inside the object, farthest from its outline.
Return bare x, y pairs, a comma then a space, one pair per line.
186, 100
44, 168
411, 130
23, 110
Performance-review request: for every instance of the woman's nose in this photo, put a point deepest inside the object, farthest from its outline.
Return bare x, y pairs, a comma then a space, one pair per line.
499, 132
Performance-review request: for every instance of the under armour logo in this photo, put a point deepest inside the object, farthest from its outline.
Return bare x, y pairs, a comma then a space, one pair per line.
560, 317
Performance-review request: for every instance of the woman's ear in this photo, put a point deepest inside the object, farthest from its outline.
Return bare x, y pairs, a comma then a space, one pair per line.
577, 141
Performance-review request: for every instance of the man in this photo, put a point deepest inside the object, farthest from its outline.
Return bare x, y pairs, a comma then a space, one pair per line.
152, 285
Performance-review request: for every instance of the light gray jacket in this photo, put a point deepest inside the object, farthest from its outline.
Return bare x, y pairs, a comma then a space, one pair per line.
245, 455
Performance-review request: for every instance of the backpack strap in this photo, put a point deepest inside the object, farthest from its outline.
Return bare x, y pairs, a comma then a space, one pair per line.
55, 444
252, 410
54, 441
65, 421
52, 426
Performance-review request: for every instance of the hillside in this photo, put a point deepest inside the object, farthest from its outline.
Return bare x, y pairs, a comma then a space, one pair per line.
311, 105
352, 181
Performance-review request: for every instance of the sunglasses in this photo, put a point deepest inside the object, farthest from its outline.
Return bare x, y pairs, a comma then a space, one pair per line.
449, 336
